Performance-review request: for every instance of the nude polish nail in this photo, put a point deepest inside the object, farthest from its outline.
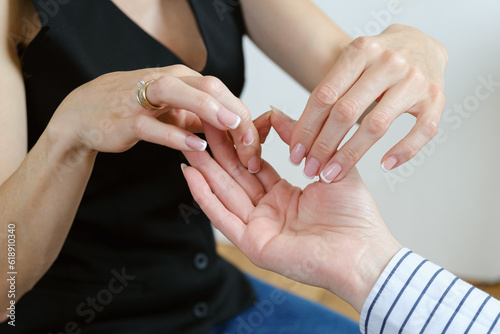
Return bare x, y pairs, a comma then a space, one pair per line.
389, 164
196, 143
312, 167
228, 119
248, 138
297, 154
331, 172
254, 165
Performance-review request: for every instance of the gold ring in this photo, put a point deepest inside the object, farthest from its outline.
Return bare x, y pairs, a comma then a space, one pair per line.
141, 96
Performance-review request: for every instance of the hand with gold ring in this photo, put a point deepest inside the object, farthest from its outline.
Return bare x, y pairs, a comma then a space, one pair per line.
113, 112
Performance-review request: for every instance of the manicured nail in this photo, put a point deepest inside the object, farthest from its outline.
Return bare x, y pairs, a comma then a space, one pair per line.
331, 172
183, 165
389, 164
248, 138
312, 168
297, 154
254, 165
228, 119
196, 143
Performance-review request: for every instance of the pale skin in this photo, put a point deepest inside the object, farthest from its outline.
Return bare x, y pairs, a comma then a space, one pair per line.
42, 200
327, 235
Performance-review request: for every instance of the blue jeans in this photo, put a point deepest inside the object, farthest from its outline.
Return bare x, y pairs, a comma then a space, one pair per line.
277, 311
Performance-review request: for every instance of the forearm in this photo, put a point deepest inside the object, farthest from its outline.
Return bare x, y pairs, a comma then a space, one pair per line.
41, 198
299, 38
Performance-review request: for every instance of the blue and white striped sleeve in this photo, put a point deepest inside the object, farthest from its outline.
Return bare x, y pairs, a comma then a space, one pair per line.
414, 295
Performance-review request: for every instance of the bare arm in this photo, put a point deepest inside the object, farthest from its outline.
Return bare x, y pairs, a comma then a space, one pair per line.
316, 44
39, 192
12, 103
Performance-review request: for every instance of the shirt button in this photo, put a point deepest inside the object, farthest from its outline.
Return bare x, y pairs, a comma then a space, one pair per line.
200, 310
201, 261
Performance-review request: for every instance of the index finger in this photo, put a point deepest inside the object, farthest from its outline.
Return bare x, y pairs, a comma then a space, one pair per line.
346, 71
244, 133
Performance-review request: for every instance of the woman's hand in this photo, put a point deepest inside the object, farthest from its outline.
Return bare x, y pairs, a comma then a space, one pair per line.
329, 235
104, 115
402, 69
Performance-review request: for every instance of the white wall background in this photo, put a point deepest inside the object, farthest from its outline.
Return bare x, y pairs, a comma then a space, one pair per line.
445, 203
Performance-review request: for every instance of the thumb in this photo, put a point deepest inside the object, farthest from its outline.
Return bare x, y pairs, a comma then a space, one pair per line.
283, 124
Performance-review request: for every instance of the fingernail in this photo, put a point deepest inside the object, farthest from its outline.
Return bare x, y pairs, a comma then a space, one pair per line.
274, 109
331, 172
228, 119
183, 165
312, 168
389, 164
196, 143
248, 138
254, 165
278, 111
297, 154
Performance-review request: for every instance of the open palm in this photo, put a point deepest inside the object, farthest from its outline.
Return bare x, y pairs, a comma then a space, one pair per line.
319, 235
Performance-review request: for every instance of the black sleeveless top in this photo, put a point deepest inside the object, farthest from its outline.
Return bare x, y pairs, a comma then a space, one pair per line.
140, 256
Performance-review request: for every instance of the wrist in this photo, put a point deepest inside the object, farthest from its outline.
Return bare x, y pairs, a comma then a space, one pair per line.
370, 264
64, 151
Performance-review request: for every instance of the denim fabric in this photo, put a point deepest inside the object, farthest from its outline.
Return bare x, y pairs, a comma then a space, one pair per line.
277, 311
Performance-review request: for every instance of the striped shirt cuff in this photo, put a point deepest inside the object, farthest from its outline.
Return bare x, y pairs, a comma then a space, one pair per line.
414, 295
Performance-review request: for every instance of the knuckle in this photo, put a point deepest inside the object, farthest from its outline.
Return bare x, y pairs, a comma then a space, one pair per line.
346, 111
437, 94
167, 136
226, 183
350, 155
441, 100
179, 69
364, 43
323, 148
430, 128
378, 123
305, 131
326, 95
411, 150
138, 125
203, 200
211, 85
416, 75
236, 170
396, 59
163, 84
204, 102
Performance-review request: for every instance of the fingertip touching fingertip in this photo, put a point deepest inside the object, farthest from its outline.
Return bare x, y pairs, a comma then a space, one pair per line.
274, 109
